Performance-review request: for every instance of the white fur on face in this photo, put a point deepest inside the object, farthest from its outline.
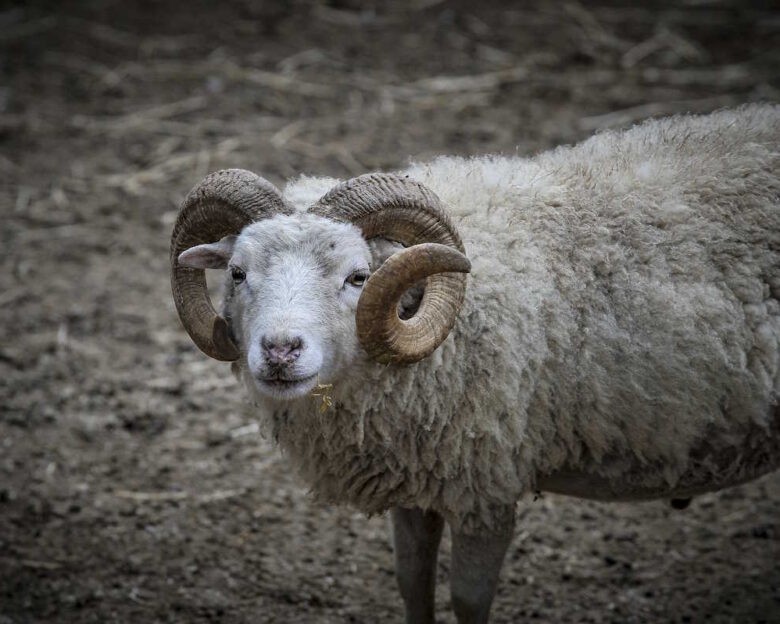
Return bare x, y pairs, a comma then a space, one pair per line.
295, 290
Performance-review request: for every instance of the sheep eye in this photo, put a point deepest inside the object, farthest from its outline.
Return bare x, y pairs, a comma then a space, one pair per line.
237, 274
358, 278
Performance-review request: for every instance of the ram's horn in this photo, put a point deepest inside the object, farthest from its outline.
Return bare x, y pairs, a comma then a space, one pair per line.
405, 211
222, 204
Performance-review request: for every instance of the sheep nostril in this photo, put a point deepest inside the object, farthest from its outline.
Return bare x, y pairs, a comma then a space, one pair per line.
293, 355
267, 345
282, 352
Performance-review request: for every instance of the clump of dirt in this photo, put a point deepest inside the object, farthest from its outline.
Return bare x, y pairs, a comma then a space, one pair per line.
135, 484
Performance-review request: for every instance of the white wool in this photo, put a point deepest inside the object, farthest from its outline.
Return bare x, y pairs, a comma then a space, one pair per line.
305, 190
621, 320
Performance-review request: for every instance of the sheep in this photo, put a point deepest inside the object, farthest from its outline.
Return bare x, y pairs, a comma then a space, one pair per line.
618, 337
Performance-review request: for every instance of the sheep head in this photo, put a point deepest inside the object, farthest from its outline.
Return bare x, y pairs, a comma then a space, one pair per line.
301, 298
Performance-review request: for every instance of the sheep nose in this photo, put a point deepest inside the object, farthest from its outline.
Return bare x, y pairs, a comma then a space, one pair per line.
281, 352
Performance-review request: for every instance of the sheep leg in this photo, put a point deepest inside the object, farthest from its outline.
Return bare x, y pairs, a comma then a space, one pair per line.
416, 536
476, 563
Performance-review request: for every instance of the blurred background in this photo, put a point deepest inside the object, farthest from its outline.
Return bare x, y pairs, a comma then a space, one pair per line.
135, 484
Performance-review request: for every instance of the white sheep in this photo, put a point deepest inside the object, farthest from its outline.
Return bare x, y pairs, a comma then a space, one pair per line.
618, 337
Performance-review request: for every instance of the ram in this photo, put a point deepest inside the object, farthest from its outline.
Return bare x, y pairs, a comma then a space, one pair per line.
617, 337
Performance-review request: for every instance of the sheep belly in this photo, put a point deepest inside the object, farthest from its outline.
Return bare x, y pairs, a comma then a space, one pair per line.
709, 470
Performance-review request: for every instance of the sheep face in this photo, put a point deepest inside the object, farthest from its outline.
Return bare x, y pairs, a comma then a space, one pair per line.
292, 289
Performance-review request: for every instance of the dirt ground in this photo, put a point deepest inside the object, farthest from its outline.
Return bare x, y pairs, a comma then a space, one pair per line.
135, 485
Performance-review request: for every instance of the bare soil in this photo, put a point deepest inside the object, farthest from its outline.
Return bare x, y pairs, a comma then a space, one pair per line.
135, 485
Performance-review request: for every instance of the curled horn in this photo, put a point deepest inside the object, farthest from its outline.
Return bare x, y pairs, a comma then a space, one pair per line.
406, 211
222, 204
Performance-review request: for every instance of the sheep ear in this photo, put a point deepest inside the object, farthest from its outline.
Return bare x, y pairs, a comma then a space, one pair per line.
381, 249
209, 256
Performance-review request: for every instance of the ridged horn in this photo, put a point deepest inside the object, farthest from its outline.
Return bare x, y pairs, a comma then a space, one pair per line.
224, 203
406, 211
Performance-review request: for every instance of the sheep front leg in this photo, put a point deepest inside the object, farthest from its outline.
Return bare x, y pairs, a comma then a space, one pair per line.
476, 563
416, 537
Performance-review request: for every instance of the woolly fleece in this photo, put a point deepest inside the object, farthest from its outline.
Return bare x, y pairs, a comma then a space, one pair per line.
622, 320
